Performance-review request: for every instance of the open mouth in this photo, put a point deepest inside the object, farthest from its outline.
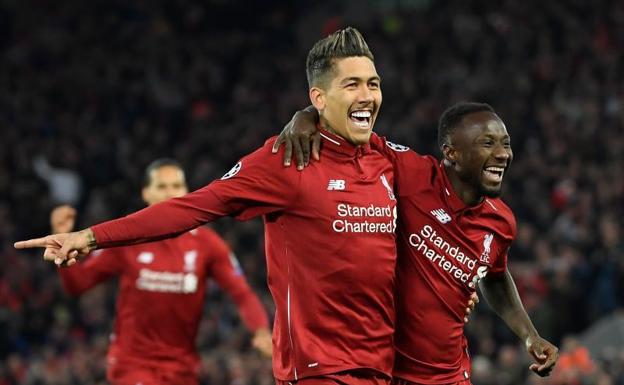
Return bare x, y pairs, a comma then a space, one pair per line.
361, 118
494, 173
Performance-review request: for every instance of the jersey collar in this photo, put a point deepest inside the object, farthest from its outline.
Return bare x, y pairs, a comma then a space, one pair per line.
338, 144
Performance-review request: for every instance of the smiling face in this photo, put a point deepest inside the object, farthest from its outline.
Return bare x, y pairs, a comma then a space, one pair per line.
349, 103
480, 152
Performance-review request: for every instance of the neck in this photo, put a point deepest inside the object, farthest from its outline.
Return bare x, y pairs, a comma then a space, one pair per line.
326, 126
468, 194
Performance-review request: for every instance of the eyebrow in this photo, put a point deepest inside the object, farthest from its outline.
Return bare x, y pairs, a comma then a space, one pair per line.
357, 79
493, 136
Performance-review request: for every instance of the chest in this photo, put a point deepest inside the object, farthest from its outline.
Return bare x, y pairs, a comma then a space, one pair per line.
174, 266
461, 246
352, 188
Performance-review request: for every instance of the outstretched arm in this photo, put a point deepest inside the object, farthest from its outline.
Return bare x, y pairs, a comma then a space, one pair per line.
163, 220
250, 189
302, 135
502, 295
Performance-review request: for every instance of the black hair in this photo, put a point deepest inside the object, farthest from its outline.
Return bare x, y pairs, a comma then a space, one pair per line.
453, 116
341, 44
157, 164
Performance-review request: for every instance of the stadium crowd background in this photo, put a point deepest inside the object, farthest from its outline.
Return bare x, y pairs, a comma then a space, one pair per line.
91, 92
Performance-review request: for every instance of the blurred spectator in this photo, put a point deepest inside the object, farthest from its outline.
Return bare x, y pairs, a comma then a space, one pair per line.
64, 185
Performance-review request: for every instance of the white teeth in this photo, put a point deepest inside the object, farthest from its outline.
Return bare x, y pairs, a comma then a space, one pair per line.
495, 169
361, 114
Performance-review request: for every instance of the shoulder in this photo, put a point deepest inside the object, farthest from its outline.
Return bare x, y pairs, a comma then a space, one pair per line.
262, 162
386, 147
399, 153
501, 217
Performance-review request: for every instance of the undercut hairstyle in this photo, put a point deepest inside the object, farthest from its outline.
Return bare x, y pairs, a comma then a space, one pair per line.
452, 117
320, 64
157, 164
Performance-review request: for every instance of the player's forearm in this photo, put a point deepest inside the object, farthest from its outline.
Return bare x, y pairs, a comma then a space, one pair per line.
502, 296
76, 280
251, 311
163, 220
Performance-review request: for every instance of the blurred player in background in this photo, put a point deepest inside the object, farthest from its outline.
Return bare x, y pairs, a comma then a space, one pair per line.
162, 287
454, 233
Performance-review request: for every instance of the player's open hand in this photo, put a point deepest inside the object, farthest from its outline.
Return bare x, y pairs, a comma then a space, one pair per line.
302, 135
472, 303
64, 248
544, 353
262, 342
62, 219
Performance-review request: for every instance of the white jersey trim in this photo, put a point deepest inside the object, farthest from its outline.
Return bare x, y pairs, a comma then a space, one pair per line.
292, 346
491, 204
330, 139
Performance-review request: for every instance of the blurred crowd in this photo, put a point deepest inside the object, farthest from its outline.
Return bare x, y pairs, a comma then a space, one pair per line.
91, 92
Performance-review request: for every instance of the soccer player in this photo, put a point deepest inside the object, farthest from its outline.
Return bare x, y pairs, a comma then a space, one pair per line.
454, 234
333, 280
162, 287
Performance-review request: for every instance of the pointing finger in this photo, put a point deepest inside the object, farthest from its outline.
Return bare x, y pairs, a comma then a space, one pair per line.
29, 244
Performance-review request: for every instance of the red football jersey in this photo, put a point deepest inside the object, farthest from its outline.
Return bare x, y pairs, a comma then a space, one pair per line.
162, 286
444, 248
330, 245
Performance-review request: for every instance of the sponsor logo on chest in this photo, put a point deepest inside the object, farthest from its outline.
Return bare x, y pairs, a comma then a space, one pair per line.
452, 258
167, 281
369, 218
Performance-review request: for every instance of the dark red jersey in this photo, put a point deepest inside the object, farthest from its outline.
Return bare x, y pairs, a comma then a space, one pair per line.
162, 287
444, 249
330, 245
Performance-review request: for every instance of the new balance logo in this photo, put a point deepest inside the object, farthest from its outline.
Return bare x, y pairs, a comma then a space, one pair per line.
336, 184
441, 216
145, 257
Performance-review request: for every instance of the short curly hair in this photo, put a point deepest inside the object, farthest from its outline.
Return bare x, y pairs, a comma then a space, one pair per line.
453, 115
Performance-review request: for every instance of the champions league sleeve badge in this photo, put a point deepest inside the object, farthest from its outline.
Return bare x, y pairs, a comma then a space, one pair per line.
397, 147
237, 167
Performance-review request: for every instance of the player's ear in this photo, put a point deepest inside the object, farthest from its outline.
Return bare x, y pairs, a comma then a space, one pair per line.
145, 194
450, 153
317, 97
